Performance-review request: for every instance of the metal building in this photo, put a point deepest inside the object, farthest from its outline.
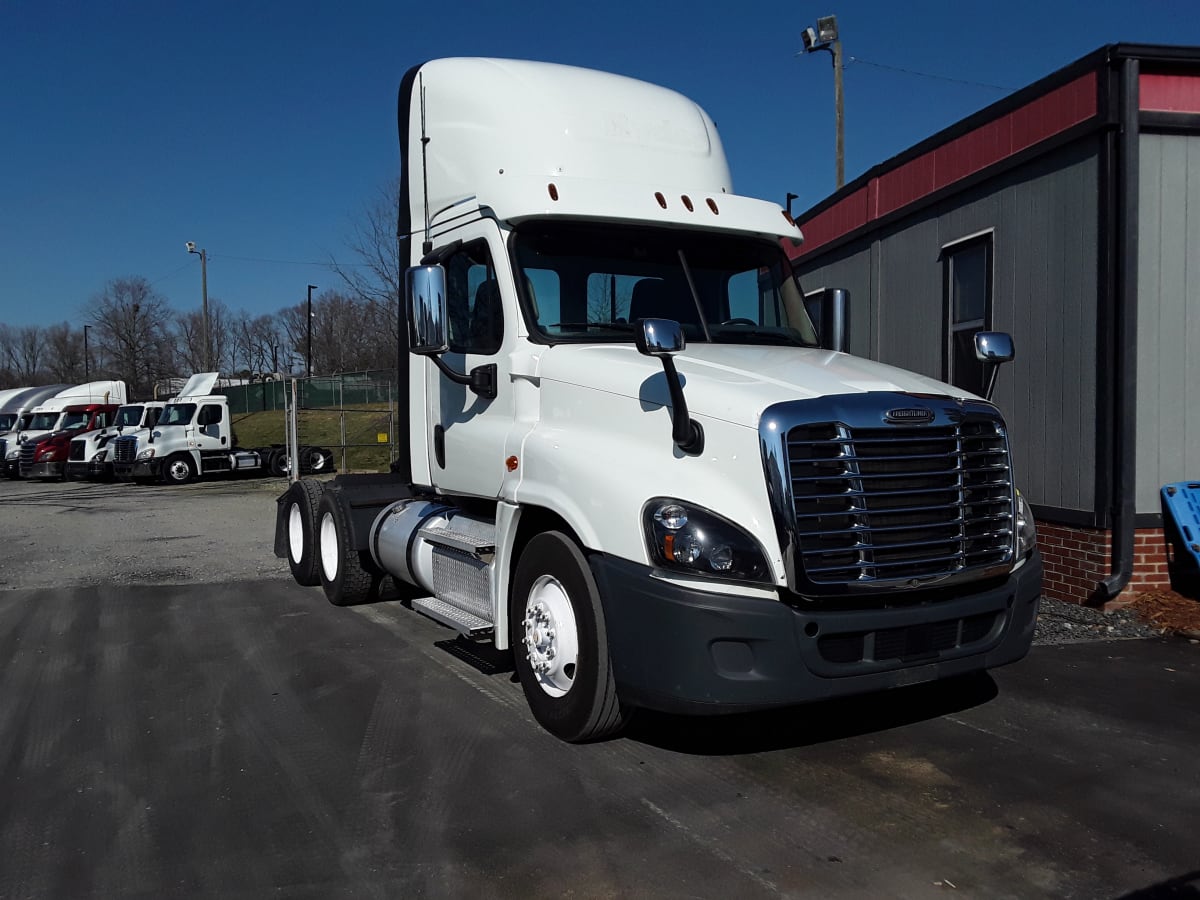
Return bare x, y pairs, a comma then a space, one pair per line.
1067, 214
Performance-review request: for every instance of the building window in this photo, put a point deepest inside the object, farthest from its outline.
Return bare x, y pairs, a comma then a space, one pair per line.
967, 280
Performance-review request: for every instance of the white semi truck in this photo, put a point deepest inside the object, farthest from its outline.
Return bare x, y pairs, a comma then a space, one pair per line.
631, 457
90, 454
193, 438
48, 416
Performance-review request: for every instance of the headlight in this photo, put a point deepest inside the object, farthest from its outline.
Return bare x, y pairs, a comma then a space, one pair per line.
100, 455
148, 453
14, 454
688, 538
1026, 530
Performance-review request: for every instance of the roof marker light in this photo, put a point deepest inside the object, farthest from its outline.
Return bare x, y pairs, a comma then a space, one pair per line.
553, 191
687, 202
712, 204
662, 201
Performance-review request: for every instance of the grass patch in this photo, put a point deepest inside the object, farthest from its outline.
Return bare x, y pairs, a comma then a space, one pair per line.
361, 451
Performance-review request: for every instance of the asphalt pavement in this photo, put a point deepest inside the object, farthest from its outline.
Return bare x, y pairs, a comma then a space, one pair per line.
243, 738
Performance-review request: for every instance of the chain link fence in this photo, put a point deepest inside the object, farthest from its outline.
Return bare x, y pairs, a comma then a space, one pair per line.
352, 414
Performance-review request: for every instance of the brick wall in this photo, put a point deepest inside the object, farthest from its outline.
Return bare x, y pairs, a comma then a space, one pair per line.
1078, 559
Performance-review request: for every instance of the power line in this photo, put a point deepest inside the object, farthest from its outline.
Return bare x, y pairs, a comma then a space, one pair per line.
981, 84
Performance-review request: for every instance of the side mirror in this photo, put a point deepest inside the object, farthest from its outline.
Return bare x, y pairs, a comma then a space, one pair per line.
992, 348
660, 337
663, 338
425, 292
835, 319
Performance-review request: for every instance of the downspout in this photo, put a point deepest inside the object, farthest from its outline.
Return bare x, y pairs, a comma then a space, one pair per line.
1124, 488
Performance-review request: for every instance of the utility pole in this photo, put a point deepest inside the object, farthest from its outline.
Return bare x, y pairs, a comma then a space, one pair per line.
825, 37
191, 248
87, 369
308, 358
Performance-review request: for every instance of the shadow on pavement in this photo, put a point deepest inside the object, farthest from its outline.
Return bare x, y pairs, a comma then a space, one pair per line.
1184, 887
815, 723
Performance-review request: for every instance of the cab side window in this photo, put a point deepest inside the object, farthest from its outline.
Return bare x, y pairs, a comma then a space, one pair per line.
476, 318
210, 414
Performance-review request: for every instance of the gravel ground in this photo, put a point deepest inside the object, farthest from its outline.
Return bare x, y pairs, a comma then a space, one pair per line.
1066, 623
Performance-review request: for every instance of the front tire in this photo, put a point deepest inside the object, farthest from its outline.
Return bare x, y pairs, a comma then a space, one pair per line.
304, 497
560, 643
348, 576
178, 469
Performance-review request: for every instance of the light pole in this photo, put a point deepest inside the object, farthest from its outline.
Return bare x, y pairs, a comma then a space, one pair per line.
87, 369
191, 248
308, 358
825, 37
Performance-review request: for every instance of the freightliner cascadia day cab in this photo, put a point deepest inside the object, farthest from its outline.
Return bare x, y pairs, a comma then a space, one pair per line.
631, 457
193, 438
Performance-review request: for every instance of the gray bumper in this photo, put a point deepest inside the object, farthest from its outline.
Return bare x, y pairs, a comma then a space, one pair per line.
684, 650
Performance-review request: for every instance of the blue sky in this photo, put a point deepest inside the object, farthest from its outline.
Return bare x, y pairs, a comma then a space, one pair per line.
260, 129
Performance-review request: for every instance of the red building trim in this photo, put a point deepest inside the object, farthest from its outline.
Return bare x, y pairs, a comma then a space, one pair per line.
1169, 93
986, 145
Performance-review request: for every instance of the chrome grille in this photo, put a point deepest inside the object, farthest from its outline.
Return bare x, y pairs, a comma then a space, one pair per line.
124, 449
900, 503
27, 450
882, 491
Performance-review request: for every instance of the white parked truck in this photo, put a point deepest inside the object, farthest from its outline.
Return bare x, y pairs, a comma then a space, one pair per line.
194, 438
49, 414
90, 454
631, 457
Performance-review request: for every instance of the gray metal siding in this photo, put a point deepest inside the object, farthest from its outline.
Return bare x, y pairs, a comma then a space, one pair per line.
1044, 220
1168, 417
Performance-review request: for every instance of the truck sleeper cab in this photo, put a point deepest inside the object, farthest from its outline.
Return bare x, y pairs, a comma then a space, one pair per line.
632, 459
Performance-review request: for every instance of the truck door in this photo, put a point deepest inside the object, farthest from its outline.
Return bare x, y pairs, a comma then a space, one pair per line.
211, 429
467, 431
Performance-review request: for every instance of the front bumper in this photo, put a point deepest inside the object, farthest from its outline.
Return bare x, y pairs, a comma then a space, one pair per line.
681, 649
147, 468
80, 469
44, 470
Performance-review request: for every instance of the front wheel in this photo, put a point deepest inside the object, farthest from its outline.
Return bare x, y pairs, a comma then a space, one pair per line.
178, 469
560, 643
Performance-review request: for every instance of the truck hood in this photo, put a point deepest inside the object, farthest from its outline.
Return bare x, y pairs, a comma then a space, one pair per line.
732, 382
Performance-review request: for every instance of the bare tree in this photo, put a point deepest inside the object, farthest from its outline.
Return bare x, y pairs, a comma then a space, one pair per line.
23, 349
64, 354
375, 279
189, 338
133, 323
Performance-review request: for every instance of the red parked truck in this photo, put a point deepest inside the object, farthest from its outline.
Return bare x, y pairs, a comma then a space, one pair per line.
46, 456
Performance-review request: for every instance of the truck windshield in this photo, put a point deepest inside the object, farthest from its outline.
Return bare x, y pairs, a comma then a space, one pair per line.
592, 282
128, 416
7, 421
43, 421
73, 421
177, 414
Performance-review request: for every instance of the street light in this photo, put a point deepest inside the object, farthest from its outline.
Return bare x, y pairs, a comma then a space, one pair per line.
825, 37
191, 248
308, 363
87, 373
